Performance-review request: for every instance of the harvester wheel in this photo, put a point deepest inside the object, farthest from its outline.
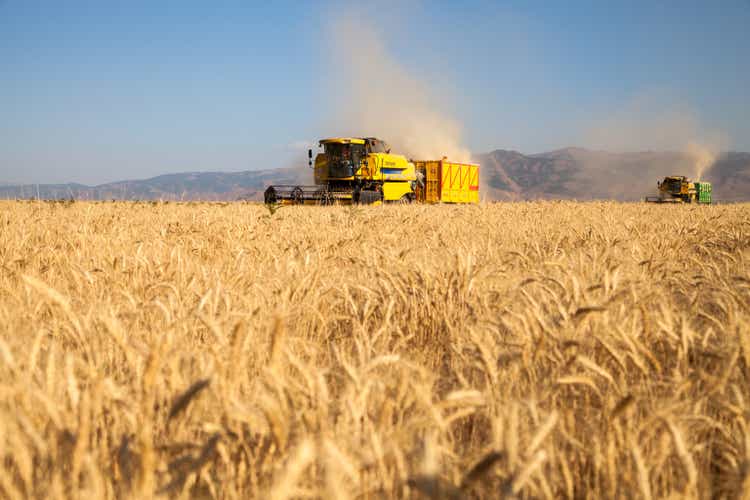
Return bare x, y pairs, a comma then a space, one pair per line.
406, 199
367, 197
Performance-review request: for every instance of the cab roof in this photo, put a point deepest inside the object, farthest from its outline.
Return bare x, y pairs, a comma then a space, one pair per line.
343, 140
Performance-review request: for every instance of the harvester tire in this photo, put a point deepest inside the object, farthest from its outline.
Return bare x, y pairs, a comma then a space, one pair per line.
369, 197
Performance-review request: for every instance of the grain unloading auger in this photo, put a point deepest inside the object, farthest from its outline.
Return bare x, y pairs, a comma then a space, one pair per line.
364, 171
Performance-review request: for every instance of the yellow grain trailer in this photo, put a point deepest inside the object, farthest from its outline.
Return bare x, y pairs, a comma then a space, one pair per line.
447, 181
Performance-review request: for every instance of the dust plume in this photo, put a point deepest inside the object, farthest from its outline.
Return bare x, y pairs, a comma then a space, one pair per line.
703, 158
371, 94
654, 121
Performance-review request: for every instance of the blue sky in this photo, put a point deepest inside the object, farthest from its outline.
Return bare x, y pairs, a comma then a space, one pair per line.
96, 91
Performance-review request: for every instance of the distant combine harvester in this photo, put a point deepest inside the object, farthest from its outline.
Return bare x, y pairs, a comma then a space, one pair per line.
680, 189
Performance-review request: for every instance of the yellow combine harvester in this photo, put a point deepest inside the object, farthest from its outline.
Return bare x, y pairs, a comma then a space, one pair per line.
363, 170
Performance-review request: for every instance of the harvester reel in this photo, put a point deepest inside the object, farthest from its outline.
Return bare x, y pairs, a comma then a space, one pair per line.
323, 197
269, 196
298, 196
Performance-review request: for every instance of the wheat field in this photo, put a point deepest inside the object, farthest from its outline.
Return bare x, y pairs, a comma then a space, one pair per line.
529, 350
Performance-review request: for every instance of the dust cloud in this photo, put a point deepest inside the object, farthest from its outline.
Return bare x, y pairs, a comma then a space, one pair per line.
371, 94
652, 122
703, 158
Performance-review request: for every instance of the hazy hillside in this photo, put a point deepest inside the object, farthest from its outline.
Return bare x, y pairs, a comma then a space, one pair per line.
731, 176
506, 175
584, 174
182, 186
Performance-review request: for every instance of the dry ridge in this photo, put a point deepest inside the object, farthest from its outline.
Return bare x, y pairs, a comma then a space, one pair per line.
531, 350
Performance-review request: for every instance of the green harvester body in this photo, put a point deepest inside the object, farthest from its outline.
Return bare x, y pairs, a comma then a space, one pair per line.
703, 192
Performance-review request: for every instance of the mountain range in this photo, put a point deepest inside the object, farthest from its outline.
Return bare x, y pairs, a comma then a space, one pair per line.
570, 173
577, 173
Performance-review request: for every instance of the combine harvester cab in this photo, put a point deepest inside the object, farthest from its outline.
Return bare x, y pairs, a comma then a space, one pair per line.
364, 171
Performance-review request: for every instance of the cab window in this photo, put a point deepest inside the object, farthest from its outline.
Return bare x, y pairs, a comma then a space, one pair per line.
377, 146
